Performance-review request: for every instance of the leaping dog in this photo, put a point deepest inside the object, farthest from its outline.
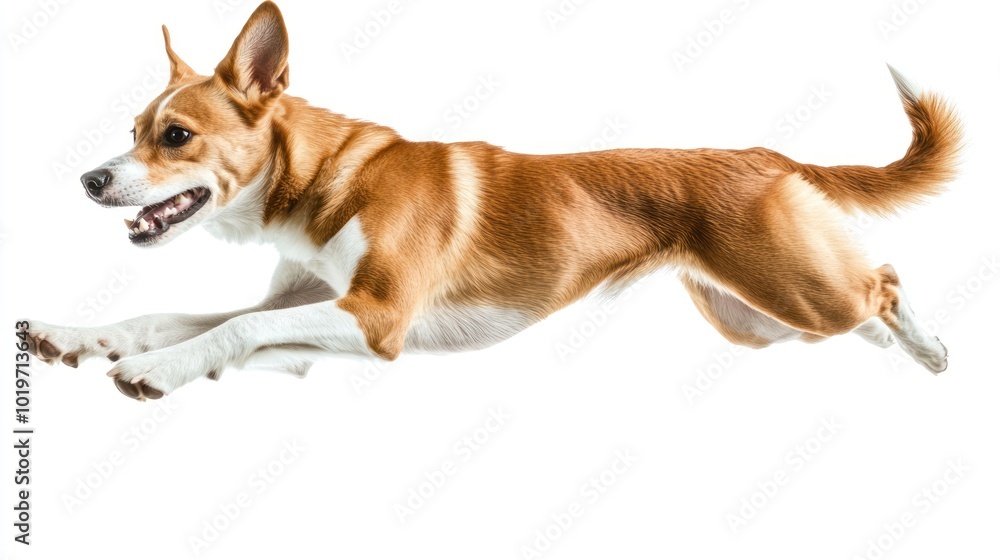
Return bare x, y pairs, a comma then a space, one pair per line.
389, 245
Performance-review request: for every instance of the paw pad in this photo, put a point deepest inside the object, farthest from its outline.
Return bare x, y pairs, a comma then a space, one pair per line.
138, 390
47, 349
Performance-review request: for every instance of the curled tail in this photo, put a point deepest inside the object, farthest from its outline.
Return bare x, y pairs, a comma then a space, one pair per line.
929, 163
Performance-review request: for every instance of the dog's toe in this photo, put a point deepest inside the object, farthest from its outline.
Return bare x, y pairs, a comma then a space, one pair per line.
138, 389
129, 390
148, 391
47, 350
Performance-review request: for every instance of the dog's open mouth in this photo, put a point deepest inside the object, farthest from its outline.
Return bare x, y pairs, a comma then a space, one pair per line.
153, 221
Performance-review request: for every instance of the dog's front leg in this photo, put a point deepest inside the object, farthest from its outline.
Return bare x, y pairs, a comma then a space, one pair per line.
291, 285
315, 328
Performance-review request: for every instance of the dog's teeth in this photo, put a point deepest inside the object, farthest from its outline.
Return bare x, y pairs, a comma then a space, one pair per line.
179, 198
143, 224
128, 223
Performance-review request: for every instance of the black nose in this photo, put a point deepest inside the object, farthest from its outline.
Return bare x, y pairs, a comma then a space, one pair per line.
95, 180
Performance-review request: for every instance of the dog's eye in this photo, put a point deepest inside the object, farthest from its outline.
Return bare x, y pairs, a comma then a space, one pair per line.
176, 136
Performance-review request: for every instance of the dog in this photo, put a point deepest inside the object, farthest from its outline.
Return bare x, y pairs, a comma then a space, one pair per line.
389, 245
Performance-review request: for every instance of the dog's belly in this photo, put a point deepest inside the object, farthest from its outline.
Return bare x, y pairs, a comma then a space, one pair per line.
457, 328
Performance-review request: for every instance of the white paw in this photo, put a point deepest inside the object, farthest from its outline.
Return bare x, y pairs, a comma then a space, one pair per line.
72, 345
157, 373
933, 357
937, 361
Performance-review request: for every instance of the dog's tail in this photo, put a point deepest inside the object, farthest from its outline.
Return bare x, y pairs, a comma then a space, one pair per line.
929, 163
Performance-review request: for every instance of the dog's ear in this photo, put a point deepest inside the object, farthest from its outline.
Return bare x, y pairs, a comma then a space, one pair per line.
256, 68
178, 68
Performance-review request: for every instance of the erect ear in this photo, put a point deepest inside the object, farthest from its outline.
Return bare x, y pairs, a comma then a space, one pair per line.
256, 67
178, 68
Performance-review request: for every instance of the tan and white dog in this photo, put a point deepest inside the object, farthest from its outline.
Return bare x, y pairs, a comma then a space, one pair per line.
389, 245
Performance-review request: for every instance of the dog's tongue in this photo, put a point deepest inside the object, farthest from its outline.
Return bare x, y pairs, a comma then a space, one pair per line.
158, 216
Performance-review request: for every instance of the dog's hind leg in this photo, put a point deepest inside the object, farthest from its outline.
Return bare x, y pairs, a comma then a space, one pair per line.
735, 320
874, 331
897, 315
796, 265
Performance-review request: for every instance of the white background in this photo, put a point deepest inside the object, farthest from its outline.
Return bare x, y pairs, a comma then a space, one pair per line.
622, 388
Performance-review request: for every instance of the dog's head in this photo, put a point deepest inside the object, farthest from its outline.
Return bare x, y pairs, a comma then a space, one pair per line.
203, 139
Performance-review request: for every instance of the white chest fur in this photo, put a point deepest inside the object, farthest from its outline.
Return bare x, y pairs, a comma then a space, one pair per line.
241, 222
336, 261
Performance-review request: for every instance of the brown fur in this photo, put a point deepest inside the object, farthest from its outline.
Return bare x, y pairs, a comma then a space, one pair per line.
546, 230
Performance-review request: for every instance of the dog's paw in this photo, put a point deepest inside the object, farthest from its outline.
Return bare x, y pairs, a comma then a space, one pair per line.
70, 345
933, 356
936, 360
155, 374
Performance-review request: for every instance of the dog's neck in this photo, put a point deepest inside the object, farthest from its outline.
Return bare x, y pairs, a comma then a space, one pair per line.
312, 157
303, 138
